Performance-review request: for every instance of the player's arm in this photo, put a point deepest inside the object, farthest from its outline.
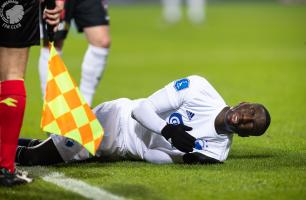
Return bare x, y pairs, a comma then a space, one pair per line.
198, 158
147, 114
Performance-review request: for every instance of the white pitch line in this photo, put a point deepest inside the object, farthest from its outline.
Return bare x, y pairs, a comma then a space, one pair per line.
80, 187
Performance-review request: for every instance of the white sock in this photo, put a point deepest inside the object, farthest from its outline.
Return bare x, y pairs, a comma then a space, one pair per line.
172, 10
92, 69
43, 67
196, 11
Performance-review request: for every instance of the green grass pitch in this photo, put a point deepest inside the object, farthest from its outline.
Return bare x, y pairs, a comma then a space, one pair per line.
248, 51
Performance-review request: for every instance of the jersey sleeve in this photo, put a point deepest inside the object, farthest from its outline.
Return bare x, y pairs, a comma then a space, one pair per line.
171, 97
146, 115
175, 94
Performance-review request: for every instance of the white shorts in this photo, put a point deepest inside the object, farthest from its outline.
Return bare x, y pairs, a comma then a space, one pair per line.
110, 116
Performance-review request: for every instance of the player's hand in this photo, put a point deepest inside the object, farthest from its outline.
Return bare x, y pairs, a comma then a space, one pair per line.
180, 139
52, 17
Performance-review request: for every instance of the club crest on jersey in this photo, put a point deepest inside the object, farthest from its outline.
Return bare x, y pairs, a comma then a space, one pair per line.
200, 144
11, 13
181, 84
176, 118
189, 114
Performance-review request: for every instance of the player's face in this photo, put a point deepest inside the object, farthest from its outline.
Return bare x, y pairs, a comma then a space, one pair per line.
246, 119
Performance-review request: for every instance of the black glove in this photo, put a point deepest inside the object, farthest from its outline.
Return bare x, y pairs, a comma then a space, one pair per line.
180, 139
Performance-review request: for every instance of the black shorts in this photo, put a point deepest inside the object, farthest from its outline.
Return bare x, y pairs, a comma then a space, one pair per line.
19, 23
86, 13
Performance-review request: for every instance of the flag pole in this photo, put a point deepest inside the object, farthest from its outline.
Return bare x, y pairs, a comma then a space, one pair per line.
50, 4
65, 110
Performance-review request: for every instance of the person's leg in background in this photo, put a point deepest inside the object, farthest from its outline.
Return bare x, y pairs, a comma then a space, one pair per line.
92, 19
172, 10
94, 61
196, 11
95, 25
13, 62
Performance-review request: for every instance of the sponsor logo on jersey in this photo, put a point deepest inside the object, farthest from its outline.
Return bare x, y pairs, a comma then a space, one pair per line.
69, 142
189, 114
181, 84
11, 14
200, 144
176, 118
9, 102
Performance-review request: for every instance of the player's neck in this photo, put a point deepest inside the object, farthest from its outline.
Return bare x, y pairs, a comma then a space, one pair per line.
220, 122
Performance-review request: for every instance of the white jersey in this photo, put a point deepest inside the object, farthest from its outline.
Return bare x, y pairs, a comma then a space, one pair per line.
191, 101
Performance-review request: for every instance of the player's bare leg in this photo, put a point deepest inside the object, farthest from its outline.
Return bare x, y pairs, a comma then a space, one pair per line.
13, 62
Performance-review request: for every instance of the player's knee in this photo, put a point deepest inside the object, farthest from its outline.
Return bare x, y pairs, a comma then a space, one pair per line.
106, 42
102, 42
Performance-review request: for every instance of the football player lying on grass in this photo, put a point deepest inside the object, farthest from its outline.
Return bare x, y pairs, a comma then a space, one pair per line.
186, 121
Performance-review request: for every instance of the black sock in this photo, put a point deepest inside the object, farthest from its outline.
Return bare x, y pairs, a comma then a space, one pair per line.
44, 153
28, 142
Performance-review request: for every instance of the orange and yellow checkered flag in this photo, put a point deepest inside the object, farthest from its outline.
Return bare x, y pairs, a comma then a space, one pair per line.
65, 111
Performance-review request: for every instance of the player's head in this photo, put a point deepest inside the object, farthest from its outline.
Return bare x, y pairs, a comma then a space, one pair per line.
248, 119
